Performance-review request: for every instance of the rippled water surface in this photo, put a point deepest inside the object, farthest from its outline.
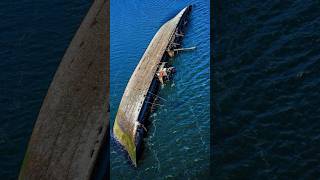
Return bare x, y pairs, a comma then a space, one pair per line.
266, 90
178, 138
33, 38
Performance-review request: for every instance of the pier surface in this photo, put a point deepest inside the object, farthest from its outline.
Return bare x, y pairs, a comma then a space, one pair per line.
72, 124
132, 101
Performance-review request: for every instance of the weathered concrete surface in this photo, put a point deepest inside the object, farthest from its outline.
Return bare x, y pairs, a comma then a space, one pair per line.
74, 116
126, 121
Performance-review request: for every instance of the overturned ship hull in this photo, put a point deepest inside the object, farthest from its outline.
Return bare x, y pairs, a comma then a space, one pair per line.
72, 127
135, 104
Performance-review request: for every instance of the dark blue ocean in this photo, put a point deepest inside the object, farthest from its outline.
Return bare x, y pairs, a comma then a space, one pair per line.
33, 38
178, 140
266, 89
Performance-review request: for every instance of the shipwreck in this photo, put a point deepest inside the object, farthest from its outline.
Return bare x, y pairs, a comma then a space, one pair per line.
141, 91
70, 134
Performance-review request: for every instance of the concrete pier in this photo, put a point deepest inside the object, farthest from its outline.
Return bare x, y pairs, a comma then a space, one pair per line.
133, 104
72, 125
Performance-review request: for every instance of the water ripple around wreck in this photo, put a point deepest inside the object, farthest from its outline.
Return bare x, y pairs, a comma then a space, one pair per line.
177, 144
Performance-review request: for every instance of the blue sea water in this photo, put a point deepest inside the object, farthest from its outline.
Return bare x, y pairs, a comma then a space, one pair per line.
178, 141
266, 89
33, 38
